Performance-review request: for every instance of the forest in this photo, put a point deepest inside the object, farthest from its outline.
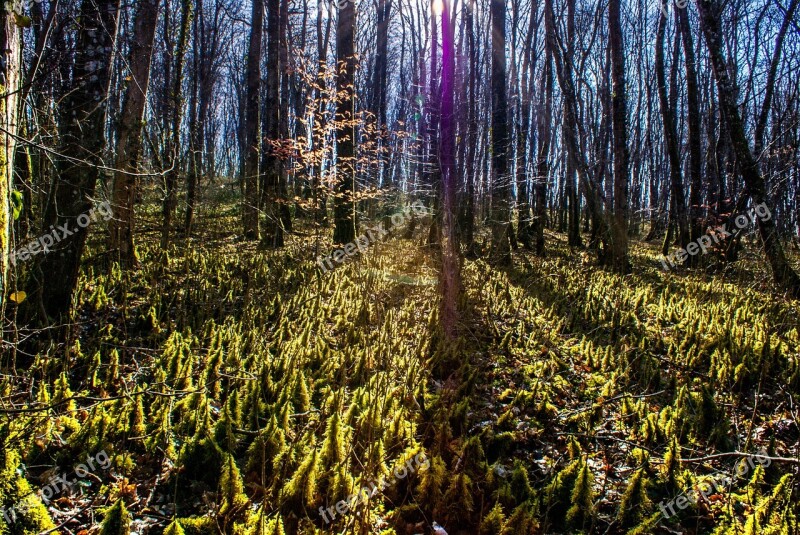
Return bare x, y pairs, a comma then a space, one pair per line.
399, 267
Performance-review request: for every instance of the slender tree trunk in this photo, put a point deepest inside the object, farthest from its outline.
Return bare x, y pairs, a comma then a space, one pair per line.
84, 111
571, 188
677, 200
695, 133
523, 133
272, 197
619, 113
283, 123
129, 143
176, 109
433, 170
450, 282
545, 122
202, 66
785, 277
590, 188
379, 88
10, 70
468, 216
344, 202
501, 186
252, 122
318, 137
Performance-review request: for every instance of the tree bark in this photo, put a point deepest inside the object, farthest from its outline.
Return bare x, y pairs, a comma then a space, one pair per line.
501, 186
273, 226
176, 111
677, 200
9, 80
252, 123
450, 281
545, 122
695, 133
619, 113
344, 201
468, 213
84, 111
523, 134
570, 187
129, 143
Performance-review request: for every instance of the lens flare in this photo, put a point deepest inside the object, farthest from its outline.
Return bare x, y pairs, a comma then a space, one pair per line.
438, 7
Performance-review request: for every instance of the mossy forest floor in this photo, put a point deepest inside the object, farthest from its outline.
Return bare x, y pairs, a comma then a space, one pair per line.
237, 390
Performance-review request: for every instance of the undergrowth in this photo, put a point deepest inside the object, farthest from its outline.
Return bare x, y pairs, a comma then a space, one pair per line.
238, 390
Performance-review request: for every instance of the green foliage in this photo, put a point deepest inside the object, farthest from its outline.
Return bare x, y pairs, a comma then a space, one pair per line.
19, 504
261, 398
174, 528
582, 499
117, 520
635, 503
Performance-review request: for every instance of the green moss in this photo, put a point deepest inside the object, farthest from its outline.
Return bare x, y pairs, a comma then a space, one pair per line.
23, 513
117, 520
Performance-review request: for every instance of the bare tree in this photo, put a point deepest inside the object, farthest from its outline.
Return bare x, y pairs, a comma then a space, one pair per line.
272, 196
10, 75
344, 202
129, 144
450, 280
83, 126
501, 186
176, 109
677, 201
785, 277
619, 112
252, 123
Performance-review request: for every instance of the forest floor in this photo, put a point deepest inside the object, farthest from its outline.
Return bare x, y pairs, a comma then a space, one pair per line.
243, 390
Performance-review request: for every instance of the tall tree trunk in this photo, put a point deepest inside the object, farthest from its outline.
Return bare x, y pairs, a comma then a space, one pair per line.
82, 134
619, 114
433, 170
10, 73
677, 200
379, 88
450, 281
344, 201
129, 143
523, 133
545, 120
252, 121
203, 59
785, 277
283, 124
272, 197
501, 186
695, 133
571, 188
468, 213
176, 110
318, 138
